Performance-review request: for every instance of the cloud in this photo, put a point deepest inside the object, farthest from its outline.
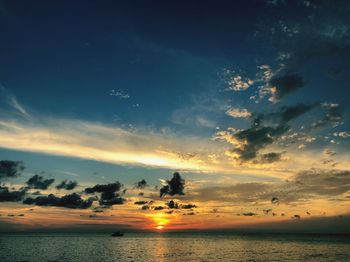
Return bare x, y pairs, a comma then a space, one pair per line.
69, 201
271, 82
332, 117
38, 182
74, 138
68, 185
248, 142
240, 192
188, 206
184, 116
342, 134
10, 168
12, 101
141, 184
238, 83
16, 105
284, 85
138, 147
10, 196
140, 202
329, 152
174, 186
173, 205
265, 129
288, 113
238, 113
307, 185
323, 182
120, 94
189, 214
201, 112
110, 193
270, 157
275, 200
249, 214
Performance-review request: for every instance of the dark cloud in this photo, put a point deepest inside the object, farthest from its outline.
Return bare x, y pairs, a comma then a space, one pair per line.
68, 185
175, 186
109, 188
255, 139
69, 201
10, 168
159, 208
145, 207
333, 116
140, 202
267, 211
141, 184
285, 85
288, 113
98, 210
270, 157
265, 130
173, 205
275, 200
38, 182
10, 196
249, 214
110, 193
188, 206
189, 214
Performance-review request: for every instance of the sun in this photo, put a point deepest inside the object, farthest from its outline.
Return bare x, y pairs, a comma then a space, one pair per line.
159, 221
160, 227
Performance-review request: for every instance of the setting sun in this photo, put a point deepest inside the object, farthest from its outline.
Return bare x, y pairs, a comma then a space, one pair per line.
159, 220
159, 227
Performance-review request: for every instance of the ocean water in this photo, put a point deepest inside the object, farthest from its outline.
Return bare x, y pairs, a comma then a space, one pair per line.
172, 247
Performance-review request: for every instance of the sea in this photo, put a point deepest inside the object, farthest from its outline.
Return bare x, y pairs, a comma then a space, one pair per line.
173, 247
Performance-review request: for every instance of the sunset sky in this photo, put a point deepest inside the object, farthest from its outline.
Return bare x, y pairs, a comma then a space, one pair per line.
247, 100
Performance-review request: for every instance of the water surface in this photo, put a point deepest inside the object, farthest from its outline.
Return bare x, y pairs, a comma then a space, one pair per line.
172, 247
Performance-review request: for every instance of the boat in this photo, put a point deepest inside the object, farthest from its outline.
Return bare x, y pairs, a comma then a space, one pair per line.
117, 234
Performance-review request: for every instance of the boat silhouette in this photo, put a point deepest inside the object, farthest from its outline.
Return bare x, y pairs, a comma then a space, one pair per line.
117, 234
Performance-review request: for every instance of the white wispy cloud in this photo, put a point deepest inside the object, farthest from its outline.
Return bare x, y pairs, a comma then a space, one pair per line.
11, 100
16, 105
342, 134
120, 94
75, 138
138, 147
238, 113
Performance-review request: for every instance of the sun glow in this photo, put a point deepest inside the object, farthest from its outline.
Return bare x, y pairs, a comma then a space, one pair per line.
159, 227
159, 220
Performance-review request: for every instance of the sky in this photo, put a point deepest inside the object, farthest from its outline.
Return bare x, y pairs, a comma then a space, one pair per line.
175, 115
